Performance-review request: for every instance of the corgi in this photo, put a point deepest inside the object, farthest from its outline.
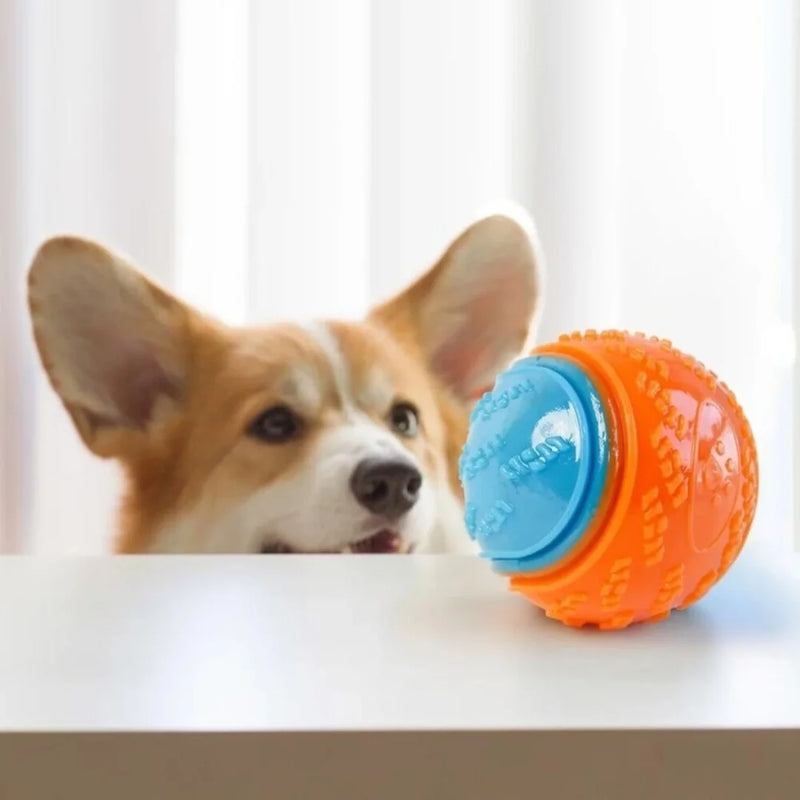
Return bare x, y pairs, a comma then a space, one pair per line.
326, 437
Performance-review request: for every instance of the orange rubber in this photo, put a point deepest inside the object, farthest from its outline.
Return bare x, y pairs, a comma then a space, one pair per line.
681, 496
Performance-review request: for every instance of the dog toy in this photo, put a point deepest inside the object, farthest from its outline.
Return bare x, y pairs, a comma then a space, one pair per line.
611, 477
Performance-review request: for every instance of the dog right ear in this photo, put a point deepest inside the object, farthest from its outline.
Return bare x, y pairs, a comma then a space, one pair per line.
475, 309
114, 344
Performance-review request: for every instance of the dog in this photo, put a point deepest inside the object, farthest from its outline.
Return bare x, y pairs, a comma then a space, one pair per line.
327, 437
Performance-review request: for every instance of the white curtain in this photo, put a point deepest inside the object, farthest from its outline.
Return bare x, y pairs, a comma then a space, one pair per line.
87, 99
302, 157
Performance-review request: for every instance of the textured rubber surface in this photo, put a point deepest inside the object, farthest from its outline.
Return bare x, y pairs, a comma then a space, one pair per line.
535, 464
682, 500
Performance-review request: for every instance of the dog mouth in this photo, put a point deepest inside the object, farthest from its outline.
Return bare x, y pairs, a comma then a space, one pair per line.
385, 541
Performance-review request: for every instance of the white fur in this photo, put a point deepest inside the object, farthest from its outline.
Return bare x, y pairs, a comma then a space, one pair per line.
378, 391
326, 341
449, 534
301, 391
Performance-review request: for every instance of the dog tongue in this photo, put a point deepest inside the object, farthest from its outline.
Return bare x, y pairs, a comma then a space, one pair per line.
382, 542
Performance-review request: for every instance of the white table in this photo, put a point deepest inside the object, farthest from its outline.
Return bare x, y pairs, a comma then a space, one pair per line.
283, 668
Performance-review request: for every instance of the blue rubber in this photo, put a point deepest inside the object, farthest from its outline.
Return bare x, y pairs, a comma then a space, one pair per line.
535, 464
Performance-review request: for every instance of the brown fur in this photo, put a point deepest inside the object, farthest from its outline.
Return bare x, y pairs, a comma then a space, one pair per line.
245, 367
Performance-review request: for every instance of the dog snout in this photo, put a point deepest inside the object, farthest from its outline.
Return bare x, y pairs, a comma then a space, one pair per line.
388, 487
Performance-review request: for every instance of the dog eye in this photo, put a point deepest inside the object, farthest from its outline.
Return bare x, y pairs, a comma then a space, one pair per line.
404, 419
276, 425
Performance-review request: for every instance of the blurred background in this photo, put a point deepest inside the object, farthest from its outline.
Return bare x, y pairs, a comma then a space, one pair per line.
284, 158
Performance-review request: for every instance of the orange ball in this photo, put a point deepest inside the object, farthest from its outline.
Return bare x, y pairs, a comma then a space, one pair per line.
611, 477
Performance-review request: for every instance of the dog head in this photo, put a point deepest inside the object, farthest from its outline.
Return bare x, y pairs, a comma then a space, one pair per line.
322, 437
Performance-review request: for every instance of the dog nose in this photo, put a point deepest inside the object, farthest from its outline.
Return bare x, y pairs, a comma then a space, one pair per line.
386, 486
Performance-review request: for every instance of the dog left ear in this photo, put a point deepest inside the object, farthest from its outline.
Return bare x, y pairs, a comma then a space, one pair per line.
113, 343
472, 313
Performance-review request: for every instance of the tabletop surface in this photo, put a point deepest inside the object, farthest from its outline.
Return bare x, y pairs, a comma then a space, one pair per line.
285, 643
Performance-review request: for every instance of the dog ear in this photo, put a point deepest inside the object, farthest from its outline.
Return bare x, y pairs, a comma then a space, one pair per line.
112, 342
472, 313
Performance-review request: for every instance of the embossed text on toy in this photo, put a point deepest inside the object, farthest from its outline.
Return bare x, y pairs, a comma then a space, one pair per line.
471, 463
493, 522
534, 459
491, 403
